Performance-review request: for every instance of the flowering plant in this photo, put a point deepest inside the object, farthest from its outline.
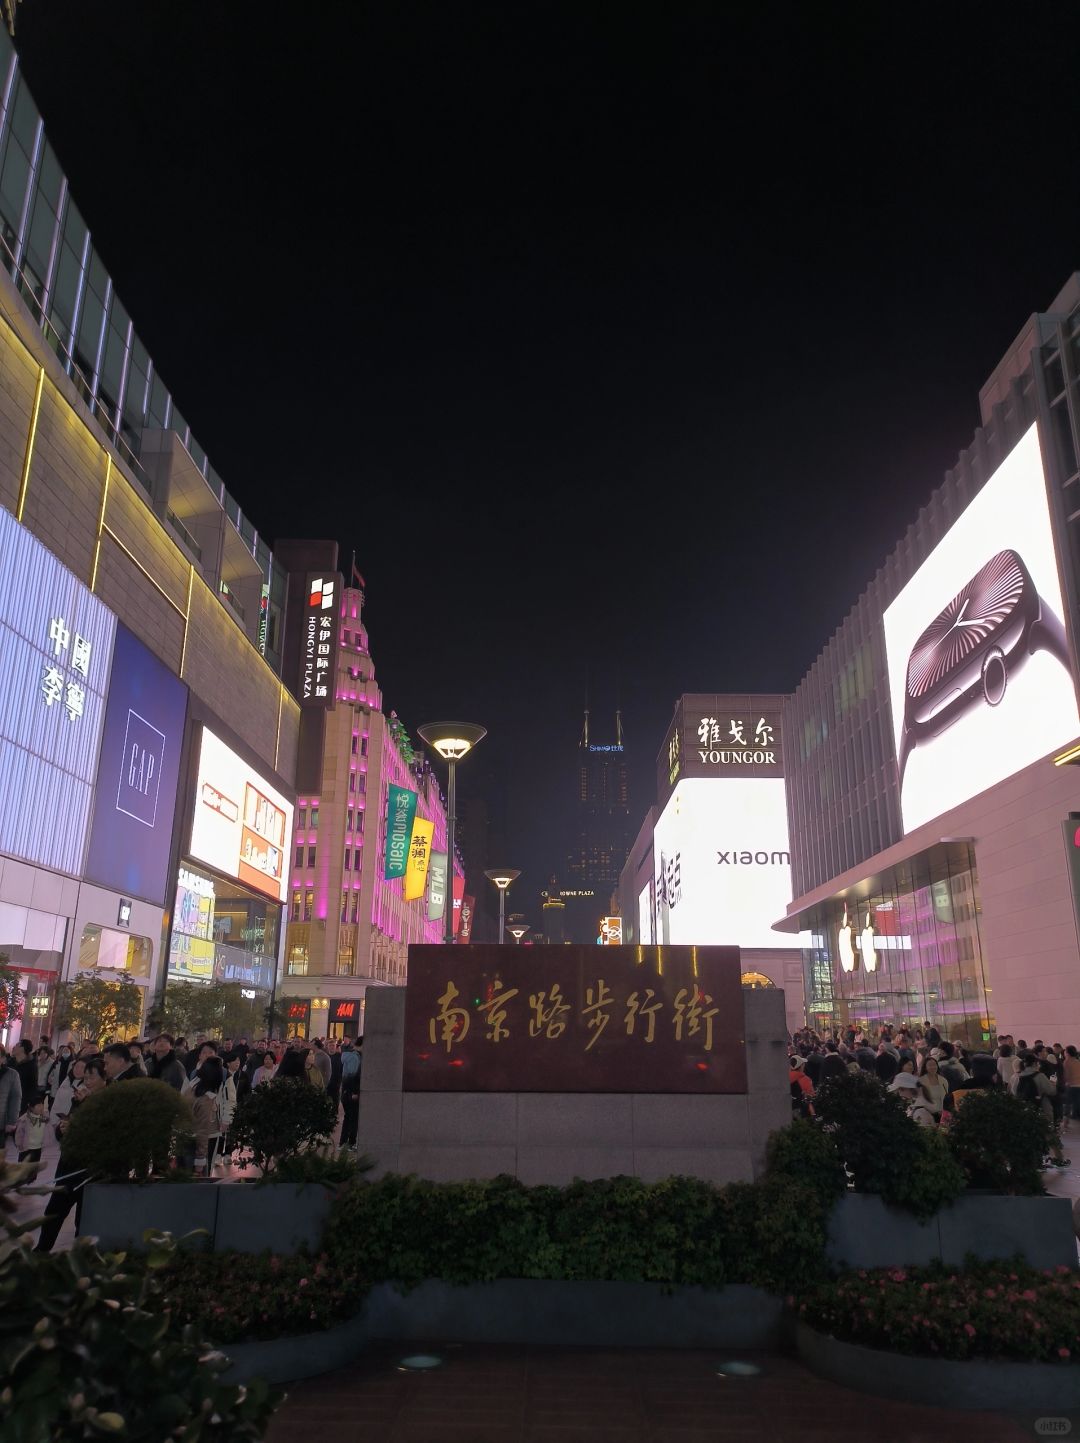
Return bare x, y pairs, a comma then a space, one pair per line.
997, 1310
247, 1297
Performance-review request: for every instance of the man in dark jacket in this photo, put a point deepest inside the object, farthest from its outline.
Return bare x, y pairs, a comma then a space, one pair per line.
886, 1063
118, 1064
164, 1064
834, 1065
11, 1104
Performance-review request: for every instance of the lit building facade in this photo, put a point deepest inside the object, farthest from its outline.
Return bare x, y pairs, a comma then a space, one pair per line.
933, 843
157, 611
602, 830
348, 927
712, 859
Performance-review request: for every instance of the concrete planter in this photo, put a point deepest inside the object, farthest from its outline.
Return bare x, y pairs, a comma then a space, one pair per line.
240, 1216
118, 1213
287, 1360
986, 1385
283, 1217
576, 1314
865, 1233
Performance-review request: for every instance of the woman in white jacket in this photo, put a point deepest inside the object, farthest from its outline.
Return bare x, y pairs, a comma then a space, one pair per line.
227, 1099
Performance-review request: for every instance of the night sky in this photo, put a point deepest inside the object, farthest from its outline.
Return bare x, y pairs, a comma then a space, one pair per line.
621, 341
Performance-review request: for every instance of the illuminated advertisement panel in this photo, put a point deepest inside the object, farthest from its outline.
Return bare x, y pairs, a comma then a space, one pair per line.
56, 645
645, 915
979, 672
241, 824
138, 774
722, 863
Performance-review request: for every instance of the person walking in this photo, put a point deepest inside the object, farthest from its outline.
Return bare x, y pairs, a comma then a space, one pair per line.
1071, 1065
30, 1130
321, 1059
930, 1095
313, 1069
206, 1107
1035, 1087
230, 1096
164, 1064
11, 1104
69, 1181
26, 1067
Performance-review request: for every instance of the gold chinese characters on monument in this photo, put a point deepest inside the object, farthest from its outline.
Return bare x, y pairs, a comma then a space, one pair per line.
574, 1019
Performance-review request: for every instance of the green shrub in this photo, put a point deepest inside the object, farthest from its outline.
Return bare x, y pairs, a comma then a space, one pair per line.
127, 1130
1000, 1142
883, 1149
338, 1170
89, 1350
805, 1153
986, 1310
677, 1231
281, 1118
252, 1297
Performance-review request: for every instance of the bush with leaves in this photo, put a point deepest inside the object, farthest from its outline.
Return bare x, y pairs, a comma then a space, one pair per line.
126, 1132
89, 1349
805, 1153
281, 1118
883, 1149
1000, 1142
337, 1170
680, 1230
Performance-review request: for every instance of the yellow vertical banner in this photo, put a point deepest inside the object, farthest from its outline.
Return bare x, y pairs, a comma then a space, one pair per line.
416, 869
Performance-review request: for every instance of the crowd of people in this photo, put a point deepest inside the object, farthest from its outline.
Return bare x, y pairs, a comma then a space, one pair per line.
934, 1075
41, 1088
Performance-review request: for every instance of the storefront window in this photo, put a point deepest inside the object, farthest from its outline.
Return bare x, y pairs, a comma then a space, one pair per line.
105, 947
908, 954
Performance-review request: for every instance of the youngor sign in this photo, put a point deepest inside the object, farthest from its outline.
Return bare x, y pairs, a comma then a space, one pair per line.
722, 863
319, 638
242, 824
138, 774
56, 646
980, 675
721, 735
400, 816
574, 1019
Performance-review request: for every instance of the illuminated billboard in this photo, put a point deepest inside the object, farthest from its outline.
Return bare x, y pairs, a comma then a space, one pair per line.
138, 774
56, 644
242, 824
645, 915
722, 863
979, 672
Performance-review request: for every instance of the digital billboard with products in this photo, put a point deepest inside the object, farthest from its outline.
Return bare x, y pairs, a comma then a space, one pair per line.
56, 644
722, 863
138, 774
979, 672
242, 824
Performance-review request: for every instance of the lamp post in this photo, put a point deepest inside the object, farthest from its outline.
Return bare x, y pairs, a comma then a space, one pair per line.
452, 740
502, 877
517, 930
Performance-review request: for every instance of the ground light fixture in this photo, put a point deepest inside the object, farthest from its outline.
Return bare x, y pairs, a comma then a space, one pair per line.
419, 1363
737, 1368
517, 930
452, 740
502, 877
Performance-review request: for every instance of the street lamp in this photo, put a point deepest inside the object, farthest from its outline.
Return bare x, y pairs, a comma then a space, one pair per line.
502, 877
517, 930
452, 740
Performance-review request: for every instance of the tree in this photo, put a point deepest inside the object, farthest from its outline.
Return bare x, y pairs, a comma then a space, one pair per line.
191, 1009
11, 994
99, 1005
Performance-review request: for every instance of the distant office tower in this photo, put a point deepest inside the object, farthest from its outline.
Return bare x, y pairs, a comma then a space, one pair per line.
602, 819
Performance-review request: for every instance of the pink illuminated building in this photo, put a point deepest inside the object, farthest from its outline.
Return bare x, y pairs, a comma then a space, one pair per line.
348, 928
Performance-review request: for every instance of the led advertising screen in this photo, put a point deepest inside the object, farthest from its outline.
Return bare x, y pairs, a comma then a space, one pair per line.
979, 672
241, 824
138, 774
56, 643
722, 864
645, 915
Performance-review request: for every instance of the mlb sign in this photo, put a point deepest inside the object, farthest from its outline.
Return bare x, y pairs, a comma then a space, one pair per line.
319, 638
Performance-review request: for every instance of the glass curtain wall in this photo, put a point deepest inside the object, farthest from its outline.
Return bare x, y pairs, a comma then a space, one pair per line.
906, 954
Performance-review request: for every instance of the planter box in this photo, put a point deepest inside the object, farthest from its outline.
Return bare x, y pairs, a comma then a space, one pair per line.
118, 1213
983, 1384
576, 1314
282, 1217
287, 1360
864, 1233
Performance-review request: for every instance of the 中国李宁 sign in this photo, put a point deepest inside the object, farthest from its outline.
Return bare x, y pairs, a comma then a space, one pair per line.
574, 1019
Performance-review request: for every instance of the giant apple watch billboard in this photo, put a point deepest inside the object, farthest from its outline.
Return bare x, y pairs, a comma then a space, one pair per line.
722, 863
242, 824
979, 672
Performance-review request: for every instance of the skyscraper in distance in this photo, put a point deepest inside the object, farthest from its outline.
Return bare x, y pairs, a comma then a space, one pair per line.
601, 838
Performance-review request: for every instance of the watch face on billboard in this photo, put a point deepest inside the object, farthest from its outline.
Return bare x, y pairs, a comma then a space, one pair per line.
979, 672
722, 864
56, 644
138, 775
242, 824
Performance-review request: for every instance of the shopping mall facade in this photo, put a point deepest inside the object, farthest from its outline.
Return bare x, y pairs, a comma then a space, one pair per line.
930, 783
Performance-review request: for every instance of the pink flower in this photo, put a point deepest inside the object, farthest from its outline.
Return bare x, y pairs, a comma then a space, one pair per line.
969, 1330
1029, 1295
1064, 1353
302, 1283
